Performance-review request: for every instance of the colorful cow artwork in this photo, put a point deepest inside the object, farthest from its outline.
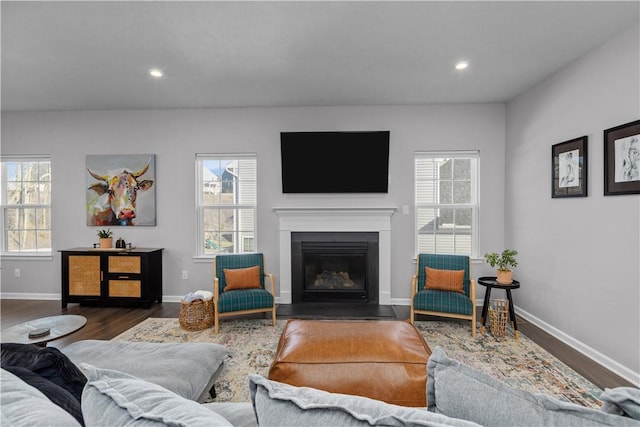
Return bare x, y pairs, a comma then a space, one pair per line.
112, 199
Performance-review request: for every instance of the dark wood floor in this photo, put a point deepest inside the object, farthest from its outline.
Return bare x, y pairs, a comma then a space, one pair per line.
108, 322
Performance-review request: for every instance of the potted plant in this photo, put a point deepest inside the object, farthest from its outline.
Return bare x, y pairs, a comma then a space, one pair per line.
106, 238
503, 261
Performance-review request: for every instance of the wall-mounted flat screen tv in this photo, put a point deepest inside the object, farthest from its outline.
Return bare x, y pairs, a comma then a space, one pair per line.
335, 162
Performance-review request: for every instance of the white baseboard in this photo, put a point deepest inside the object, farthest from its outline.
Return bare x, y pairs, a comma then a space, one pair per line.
58, 297
596, 356
21, 295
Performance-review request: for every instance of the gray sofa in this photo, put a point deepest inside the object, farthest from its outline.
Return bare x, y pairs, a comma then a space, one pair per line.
457, 394
182, 374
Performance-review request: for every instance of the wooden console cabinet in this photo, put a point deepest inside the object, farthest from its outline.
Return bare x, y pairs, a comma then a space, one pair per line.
112, 277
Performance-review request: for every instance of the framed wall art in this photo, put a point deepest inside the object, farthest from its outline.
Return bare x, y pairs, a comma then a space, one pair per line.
120, 190
622, 159
569, 168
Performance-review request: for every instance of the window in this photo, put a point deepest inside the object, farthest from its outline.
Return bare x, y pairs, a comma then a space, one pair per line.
446, 185
226, 203
26, 205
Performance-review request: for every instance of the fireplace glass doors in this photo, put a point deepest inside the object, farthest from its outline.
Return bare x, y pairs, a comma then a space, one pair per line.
334, 267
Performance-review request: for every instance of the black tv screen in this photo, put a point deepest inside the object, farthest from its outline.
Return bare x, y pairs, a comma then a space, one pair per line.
335, 162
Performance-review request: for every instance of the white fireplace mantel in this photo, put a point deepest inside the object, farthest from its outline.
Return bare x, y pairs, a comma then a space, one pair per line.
332, 219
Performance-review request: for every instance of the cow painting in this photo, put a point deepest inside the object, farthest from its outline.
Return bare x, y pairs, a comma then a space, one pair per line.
112, 199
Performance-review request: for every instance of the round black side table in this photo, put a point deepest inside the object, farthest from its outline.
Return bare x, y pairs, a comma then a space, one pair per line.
490, 283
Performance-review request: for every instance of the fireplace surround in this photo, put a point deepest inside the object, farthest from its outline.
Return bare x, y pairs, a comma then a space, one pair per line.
332, 219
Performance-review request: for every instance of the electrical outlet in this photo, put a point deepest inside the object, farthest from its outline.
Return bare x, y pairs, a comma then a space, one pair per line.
405, 209
185, 274
16, 272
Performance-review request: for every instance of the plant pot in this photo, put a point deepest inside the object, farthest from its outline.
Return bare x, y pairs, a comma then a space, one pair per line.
505, 277
106, 242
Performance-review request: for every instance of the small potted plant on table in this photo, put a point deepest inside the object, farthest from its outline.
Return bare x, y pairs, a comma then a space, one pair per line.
503, 261
106, 238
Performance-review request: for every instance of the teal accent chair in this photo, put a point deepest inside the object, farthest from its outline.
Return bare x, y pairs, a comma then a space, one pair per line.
241, 301
444, 303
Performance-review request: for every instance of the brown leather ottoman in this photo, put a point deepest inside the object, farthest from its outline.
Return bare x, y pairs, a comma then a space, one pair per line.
383, 360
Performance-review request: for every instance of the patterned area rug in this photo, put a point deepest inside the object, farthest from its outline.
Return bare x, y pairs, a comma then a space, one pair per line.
252, 343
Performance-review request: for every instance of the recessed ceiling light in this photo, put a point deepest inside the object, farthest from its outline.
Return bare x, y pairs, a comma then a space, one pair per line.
462, 65
154, 72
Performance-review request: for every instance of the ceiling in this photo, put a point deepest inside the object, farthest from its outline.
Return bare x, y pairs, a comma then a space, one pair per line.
89, 55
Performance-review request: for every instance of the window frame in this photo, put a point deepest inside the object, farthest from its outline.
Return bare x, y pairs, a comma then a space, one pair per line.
4, 206
201, 206
474, 156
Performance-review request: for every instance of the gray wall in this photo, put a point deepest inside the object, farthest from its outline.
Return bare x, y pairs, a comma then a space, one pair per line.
175, 137
579, 257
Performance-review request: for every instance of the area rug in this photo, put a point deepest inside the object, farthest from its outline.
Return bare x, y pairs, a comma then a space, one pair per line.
252, 343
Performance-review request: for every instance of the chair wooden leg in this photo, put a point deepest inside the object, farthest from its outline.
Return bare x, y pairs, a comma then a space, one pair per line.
273, 315
216, 322
411, 315
473, 328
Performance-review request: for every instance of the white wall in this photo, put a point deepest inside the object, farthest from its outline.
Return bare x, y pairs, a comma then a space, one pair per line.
175, 136
579, 257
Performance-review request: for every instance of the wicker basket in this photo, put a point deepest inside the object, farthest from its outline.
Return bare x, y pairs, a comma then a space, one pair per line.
498, 317
196, 315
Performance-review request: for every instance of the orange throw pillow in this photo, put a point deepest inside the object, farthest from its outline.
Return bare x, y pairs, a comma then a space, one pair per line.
242, 278
445, 280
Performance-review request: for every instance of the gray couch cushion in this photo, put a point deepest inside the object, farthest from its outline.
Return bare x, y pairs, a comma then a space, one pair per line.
621, 401
459, 391
118, 399
52, 391
187, 369
240, 414
24, 405
278, 404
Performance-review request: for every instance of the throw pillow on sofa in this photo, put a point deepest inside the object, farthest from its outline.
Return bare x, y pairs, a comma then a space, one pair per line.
459, 391
48, 362
118, 399
48, 370
279, 404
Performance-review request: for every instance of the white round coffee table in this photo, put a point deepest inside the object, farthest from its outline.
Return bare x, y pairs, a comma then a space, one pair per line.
57, 326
